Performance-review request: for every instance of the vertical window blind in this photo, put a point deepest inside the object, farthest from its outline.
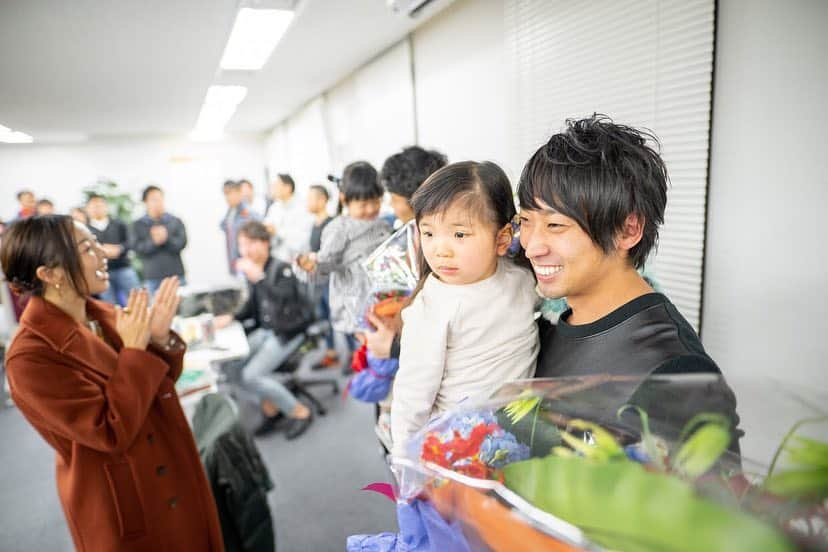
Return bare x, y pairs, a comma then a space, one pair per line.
643, 63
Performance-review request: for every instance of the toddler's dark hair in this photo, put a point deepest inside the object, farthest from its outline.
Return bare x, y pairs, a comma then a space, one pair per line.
479, 188
360, 182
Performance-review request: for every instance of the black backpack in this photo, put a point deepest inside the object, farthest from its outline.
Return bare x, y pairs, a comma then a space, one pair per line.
283, 305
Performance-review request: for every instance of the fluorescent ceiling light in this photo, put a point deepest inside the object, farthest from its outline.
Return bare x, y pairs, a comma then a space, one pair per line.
9, 136
254, 36
219, 105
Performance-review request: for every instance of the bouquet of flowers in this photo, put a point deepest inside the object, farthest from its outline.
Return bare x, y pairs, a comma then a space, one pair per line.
392, 271
594, 462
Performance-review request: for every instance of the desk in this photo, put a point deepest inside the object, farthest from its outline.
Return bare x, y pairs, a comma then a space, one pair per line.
200, 374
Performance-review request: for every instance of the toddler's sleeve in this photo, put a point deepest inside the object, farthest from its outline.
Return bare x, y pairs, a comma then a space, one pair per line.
334, 241
422, 362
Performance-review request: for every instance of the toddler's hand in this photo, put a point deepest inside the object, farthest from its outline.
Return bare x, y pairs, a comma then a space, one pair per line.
379, 341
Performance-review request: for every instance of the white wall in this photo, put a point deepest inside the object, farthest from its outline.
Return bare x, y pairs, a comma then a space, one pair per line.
765, 315
370, 115
460, 72
191, 175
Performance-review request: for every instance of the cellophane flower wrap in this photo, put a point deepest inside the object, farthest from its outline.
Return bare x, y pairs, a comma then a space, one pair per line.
617, 463
392, 273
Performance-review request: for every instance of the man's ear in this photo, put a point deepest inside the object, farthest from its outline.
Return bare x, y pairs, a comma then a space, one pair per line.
504, 239
50, 276
630, 233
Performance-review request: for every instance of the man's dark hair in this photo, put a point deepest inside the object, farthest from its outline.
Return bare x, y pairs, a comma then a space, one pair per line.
231, 185
92, 196
21, 193
148, 190
404, 172
45, 201
360, 181
287, 180
321, 190
255, 230
598, 173
47, 240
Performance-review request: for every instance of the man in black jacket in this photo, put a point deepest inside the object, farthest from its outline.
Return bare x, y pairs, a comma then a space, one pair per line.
277, 312
592, 199
158, 238
114, 238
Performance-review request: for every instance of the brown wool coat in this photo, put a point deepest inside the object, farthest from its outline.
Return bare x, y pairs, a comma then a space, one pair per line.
128, 472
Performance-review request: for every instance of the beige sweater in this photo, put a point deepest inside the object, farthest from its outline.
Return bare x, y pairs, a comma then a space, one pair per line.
462, 341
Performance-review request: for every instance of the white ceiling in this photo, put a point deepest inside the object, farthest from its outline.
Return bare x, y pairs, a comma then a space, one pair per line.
137, 68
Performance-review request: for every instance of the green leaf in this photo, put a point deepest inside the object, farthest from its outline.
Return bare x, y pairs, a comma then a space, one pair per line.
784, 444
625, 507
808, 452
536, 431
701, 450
799, 483
519, 408
704, 418
654, 452
604, 440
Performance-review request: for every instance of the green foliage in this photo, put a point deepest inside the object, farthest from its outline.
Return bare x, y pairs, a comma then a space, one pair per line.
520, 407
656, 455
807, 475
704, 446
119, 202
604, 446
621, 505
120, 206
534, 430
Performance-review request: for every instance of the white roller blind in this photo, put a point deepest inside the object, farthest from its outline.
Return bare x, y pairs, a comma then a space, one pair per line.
370, 115
644, 63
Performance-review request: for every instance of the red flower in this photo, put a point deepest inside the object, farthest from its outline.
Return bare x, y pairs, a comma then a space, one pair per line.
466, 448
456, 453
359, 362
475, 468
434, 451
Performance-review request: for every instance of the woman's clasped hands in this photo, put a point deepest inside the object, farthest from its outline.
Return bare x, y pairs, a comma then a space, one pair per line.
137, 324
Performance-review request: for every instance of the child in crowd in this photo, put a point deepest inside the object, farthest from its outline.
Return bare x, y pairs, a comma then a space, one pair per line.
346, 241
318, 208
470, 325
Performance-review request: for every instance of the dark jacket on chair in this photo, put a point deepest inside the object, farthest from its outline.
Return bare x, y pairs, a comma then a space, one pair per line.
237, 475
277, 302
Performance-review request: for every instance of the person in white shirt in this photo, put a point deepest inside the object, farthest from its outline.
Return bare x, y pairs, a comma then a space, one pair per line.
288, 220
470, 325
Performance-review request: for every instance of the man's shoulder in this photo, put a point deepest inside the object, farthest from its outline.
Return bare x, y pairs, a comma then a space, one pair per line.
689, 363
644, 335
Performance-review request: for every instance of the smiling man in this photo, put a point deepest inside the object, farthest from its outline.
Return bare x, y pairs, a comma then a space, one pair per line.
592, 199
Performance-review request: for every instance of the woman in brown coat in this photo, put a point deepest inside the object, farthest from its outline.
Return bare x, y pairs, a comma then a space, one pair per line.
98, 385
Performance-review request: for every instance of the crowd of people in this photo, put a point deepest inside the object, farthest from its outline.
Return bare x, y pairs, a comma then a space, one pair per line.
589, 205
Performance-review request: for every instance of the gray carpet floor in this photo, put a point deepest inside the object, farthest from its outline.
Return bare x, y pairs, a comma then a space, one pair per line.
316, 504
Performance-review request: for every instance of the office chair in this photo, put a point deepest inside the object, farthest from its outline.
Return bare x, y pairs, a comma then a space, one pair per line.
286, 373
301, 386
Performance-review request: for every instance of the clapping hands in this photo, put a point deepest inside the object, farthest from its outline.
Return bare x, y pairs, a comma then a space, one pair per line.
164, 308
133, 322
